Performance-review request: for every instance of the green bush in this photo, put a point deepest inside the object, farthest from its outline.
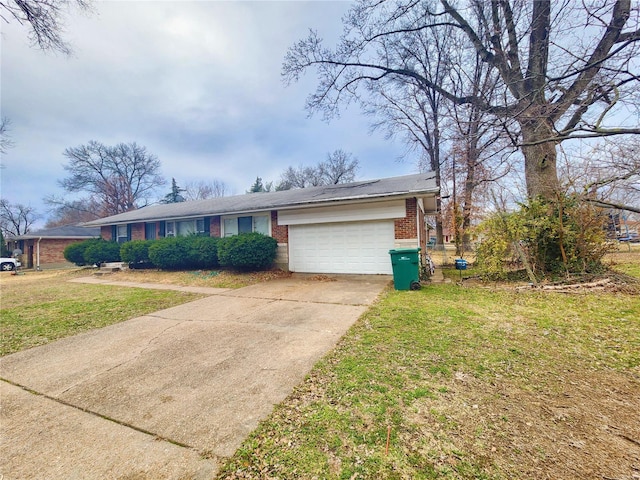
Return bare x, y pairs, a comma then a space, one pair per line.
74, 252
563, 237
169, 253
202, 251
176, 253
136, 253
102, 251
248, 251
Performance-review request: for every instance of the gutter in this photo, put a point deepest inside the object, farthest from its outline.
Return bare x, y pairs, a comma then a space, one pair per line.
290, 206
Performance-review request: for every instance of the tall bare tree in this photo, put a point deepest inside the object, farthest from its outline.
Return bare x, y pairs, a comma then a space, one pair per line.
64, 212
202, 190
44, 18
339, 167
15, 218
118, 178
564, 68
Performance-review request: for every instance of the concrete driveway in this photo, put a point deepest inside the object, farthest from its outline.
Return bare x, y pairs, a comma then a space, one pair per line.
167, 394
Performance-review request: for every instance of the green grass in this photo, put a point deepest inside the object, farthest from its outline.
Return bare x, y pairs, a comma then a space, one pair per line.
38, 312
421, 365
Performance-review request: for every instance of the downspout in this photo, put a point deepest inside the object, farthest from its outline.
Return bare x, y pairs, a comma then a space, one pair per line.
420, 208
38, 255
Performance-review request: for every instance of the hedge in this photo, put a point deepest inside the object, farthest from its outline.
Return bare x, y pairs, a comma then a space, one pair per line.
247, 251
102, 251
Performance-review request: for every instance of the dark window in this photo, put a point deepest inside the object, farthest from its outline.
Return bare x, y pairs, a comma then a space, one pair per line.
150, 231
245, 224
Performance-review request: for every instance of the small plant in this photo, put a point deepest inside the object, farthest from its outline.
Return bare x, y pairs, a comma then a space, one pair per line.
248, 251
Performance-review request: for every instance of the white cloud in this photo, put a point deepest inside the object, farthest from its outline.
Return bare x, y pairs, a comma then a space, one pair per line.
197, 83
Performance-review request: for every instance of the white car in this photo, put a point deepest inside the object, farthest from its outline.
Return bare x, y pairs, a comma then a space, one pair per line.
8, 264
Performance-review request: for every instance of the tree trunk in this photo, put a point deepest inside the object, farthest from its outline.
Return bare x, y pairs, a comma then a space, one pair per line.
540, 155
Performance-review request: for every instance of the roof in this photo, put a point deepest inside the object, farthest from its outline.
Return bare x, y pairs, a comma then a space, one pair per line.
67, 231
422, 184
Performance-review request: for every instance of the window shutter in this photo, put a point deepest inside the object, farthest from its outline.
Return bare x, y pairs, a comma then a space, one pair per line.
128, 232
163, 229
207, 226
114, 233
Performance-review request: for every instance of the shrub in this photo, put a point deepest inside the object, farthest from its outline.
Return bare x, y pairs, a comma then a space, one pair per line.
169, 253
136, 253
102, 251
248, 251
184, 252
566, 237
202, 251
74, 252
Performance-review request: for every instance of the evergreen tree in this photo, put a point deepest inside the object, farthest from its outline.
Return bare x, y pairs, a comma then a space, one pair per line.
174, 196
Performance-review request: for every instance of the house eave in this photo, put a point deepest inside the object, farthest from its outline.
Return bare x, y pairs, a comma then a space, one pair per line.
267, 208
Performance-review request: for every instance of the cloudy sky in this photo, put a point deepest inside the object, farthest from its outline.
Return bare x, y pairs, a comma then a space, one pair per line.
197, 83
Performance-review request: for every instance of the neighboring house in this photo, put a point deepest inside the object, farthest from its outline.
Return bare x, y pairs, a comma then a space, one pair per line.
345, 228
45, 247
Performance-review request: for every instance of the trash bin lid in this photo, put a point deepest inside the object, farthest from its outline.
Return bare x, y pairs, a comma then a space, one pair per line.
405, 250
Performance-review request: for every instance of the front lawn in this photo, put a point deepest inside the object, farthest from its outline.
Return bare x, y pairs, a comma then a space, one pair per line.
40, 307
465, 382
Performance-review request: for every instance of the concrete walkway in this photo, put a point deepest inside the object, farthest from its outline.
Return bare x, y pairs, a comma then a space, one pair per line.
166, 395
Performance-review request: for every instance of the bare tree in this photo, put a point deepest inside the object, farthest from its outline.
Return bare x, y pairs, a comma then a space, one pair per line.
64, 212
608, 174
16, 219
119, 178
202, 190
5, 139
564, 69
340, 167
45, 19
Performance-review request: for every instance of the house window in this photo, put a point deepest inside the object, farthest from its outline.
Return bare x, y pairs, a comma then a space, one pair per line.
122, 235
150, 231
247, 224
183, 228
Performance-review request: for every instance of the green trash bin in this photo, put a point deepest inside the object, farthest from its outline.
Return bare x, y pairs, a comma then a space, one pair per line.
406, 268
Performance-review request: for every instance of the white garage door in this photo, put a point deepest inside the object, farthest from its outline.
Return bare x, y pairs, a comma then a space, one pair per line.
350, 247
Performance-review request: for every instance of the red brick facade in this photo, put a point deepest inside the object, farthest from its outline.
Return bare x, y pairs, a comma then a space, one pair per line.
279, 232
51, 250
137, 231
105, 232
407, 227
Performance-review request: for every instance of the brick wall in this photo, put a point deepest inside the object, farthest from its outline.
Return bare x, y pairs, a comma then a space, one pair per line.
279, 232
105, 232
406, 228
137, 231
214, 227
51, 250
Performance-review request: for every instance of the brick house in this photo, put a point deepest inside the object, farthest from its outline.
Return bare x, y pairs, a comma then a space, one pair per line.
345, 228
45, 248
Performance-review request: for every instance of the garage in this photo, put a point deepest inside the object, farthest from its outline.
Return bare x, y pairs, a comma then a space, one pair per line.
344, 247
